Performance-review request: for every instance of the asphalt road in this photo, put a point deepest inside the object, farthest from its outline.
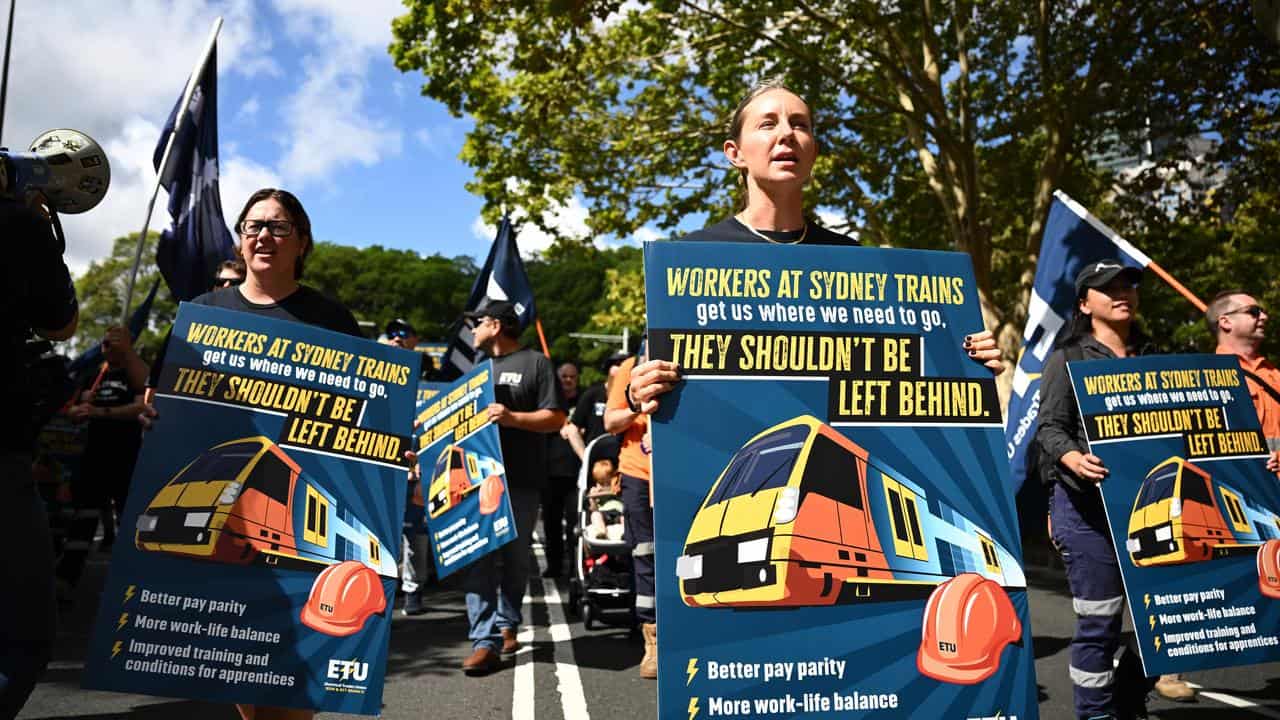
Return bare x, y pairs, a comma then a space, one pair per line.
564, 671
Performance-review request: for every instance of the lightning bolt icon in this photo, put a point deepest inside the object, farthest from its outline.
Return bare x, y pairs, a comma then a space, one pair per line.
128, 593
124, 618
693, 670
1146, 600
1153, 622
693, 708
115, 649
1157, 643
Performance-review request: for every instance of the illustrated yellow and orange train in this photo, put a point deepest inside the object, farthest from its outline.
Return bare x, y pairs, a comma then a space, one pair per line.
803, 516
457, 473
1181, 514
246, 501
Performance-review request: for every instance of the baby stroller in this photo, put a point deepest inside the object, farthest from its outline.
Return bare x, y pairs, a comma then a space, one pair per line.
600, 588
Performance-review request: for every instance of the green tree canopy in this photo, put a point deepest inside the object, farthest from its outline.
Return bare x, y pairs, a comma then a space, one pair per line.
943, 123
101, 292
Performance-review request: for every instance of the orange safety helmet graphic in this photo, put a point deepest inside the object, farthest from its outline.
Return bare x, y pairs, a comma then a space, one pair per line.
1269, 569
967, 622
491, 494
342, 598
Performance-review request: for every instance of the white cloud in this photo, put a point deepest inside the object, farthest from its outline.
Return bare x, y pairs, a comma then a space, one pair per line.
115, 77
328, 119
567, 220
249, 110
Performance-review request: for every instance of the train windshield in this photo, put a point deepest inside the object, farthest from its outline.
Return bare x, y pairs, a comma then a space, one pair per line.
451, 456
1158, 486
224, 463
762, 465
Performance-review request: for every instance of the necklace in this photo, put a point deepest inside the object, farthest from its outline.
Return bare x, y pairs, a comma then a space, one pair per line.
804, 232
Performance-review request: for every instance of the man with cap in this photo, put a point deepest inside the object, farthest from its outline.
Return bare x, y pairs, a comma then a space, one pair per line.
1239, 323
1102, 327
526, 407
587, 422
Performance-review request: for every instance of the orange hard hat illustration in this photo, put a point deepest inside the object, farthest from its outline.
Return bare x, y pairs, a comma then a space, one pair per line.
1269, 569
967, 623
491, 494
342, 598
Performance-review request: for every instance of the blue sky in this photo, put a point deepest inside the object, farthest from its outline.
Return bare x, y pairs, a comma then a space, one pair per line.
308, 100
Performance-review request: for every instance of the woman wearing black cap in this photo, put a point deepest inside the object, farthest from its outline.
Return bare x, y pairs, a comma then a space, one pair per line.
1101, 328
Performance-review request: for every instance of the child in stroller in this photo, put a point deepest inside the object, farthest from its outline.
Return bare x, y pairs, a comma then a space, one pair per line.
602, 576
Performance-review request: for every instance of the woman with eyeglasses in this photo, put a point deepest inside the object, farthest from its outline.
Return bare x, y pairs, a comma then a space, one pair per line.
1102, 327
274, 241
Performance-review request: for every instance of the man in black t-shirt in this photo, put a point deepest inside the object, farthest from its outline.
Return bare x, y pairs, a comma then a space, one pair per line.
588, 415
527, 407
36, 293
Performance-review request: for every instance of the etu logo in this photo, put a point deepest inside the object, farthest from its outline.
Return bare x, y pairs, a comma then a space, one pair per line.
348, 670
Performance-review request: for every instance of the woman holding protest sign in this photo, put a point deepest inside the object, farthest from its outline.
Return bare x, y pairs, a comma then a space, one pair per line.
1101, 328
274, 240
772, 144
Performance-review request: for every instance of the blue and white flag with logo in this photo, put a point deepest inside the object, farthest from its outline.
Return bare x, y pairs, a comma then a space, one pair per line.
503, 277
190, 250
1073, 238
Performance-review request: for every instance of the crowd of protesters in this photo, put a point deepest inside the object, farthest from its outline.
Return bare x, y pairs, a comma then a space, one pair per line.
547, 424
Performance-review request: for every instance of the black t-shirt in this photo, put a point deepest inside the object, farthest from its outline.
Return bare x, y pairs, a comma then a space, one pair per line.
113, 441
306, 305
562, 461
589, 414
525, 381
732, 230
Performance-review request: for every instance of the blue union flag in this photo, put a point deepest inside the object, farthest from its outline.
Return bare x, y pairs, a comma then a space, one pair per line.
503, 277
191, 248
1073, 238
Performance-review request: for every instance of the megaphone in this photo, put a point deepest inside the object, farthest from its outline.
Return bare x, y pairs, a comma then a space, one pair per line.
68, 167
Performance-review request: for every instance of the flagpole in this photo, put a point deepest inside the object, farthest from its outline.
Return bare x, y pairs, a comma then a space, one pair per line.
1182, 289
164, 160
1125, 246
541, 337
8, 45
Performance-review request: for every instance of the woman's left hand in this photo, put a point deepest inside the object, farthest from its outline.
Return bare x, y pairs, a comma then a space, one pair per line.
982, 348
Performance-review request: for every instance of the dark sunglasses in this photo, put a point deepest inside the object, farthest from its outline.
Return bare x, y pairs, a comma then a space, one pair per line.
398, 334
1255, 310
228, 282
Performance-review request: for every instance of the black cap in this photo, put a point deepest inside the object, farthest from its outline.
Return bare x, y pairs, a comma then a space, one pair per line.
604, 448
399, 325
1098, 274
500, 309
614, 359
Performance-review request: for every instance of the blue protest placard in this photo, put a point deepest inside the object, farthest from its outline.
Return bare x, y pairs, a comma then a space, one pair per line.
835, 531
257, 553
468, 507
1193, 512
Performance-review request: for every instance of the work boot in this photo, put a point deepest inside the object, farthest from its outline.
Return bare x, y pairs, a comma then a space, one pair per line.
509, 642
413, 603
649, 663
481, 662
1173, 687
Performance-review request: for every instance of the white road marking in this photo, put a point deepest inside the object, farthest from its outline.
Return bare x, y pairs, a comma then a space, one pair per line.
573, 699
1234, 701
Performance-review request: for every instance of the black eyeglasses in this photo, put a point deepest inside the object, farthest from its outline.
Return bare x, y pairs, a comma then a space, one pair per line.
1255, 310
277, 228
228, 281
